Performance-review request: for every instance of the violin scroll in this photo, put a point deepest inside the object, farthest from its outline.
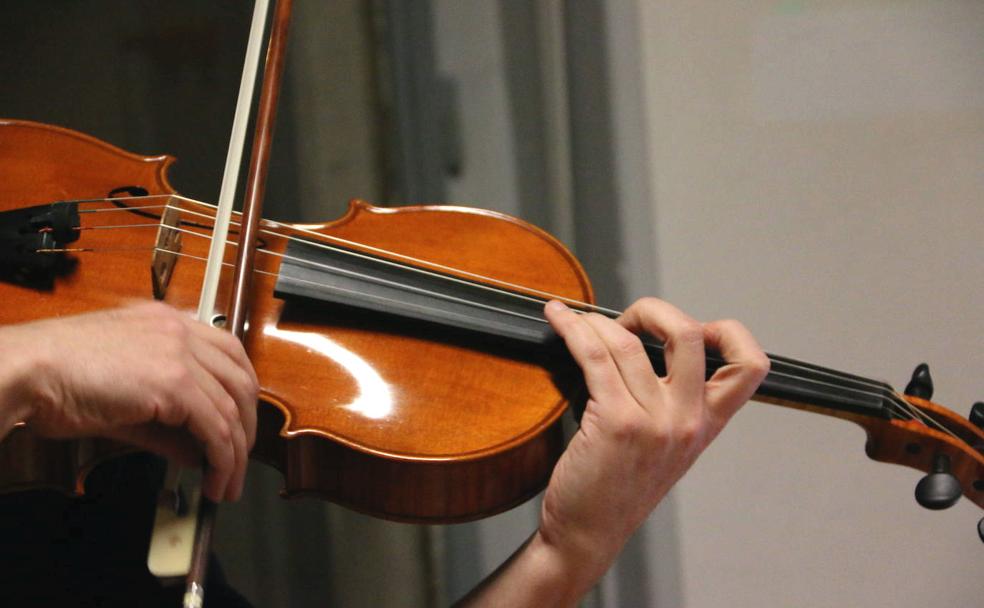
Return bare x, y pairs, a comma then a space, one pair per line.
931, 438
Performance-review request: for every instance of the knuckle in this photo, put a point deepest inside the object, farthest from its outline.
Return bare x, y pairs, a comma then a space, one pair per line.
169, 374
628, 344
230, 342
171, 412
689, 332
729, 325
223, 432
630, 429
172, 327
689, 430
646, 302
641, 307
175, 374
760, 364
685, 435
596, 353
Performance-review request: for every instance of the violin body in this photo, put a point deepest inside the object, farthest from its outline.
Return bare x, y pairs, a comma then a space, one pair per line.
395, 418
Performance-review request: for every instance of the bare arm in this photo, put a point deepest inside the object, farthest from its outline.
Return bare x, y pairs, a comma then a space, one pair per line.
17, 395
639, 434
147, 375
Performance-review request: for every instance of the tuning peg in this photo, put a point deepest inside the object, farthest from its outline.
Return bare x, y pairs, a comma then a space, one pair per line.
977, 415
940, 489
921, 384
980, 529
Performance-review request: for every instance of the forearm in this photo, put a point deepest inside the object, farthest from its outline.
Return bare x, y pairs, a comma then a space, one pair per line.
541, 575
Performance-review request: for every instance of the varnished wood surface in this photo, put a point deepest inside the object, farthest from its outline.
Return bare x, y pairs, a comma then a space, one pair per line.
414, 367
386, 416
454, 422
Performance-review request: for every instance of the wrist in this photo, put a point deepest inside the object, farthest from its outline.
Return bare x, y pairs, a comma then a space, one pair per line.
22, 378
568, 569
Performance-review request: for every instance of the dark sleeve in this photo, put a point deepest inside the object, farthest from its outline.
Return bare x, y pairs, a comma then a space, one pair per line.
92, 551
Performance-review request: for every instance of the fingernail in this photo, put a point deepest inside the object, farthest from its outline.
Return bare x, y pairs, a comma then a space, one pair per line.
556, 305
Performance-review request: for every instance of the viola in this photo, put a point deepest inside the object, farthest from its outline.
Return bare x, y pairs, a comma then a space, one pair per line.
406, 368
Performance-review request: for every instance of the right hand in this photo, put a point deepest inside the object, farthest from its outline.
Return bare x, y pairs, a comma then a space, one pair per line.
148, 375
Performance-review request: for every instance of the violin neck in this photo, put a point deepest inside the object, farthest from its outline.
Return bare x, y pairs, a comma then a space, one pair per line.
805, 385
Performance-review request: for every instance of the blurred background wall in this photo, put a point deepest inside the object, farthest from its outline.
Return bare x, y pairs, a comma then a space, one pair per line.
812, 168
817, 172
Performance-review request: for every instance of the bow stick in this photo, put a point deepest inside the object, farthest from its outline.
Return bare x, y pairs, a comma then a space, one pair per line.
251, 217
205, 511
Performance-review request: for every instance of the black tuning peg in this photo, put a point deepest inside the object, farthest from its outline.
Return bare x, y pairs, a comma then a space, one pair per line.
921, 384
980, 529
977, 415
940, 489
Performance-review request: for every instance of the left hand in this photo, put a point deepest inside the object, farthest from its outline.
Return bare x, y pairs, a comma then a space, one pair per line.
639, 432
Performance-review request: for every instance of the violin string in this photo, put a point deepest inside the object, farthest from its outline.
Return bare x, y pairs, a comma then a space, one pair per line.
91, 250
544, 295
382, 281
374, 259
111, 209
447, 297
831, 373
902, 408
883, 390
117, 226
379, 251
505, 311
901, 405
921, 415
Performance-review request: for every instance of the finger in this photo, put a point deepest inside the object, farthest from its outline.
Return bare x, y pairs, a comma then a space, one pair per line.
225, 342
746, 365
601, 374
629, 356
192, 409
212, 352
227, 407
683, 339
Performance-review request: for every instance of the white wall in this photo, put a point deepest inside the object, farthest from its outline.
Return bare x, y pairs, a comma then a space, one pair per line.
818, 172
